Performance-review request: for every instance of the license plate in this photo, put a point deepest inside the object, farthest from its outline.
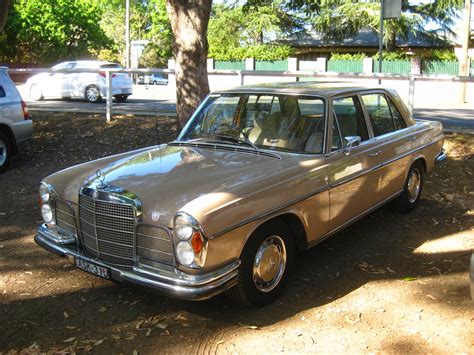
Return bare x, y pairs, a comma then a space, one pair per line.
92, 268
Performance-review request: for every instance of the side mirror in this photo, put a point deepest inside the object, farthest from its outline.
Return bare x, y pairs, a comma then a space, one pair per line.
352, 141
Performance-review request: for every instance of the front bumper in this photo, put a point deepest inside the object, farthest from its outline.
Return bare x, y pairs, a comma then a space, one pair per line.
167, 280
440, 157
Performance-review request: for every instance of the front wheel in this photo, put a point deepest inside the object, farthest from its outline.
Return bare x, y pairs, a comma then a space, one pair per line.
266, 262
6, 151
36, 94
410, 196
92, 94
121, 98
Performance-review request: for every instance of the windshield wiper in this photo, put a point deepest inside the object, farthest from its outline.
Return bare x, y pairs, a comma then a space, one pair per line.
244, 139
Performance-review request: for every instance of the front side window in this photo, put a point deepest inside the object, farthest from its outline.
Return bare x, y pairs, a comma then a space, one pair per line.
350, 118
2, 91
379, 113
277, 122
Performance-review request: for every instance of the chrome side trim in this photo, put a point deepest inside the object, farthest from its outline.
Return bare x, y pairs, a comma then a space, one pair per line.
354, 219
384, 164
325, 188
166, 280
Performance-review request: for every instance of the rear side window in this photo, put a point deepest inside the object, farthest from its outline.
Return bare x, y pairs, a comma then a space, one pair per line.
2, 92
396, 116
350, 118
383, 114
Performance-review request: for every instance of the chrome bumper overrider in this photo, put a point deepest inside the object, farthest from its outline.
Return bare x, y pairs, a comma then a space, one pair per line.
441, 157
168, 280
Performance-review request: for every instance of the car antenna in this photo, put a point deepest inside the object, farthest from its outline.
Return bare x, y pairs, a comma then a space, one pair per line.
155, 106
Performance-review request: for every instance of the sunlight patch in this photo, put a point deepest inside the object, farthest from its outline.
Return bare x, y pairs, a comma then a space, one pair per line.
454, 243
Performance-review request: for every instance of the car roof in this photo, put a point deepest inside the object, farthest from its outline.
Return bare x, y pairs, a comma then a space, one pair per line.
88, 63
326, 89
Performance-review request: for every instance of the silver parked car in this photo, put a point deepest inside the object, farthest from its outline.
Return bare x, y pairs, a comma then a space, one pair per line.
15, 125
257, 174
69, 84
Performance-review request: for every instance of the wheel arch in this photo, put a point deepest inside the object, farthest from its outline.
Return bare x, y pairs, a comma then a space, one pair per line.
294, 223
419, 158
7, 130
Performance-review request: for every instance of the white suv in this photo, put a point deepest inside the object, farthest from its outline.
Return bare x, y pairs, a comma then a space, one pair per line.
15, 125
68, 83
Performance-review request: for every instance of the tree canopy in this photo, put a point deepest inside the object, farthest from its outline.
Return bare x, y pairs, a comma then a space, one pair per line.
48, 31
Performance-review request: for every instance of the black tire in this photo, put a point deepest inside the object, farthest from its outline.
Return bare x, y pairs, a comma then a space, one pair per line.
6, 151
410, 196
121, 98
92, 94
251, 290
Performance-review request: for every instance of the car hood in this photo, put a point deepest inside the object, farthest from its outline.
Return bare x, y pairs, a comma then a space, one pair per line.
199, 181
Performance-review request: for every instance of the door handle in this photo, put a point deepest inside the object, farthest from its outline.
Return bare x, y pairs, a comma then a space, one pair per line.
375, 154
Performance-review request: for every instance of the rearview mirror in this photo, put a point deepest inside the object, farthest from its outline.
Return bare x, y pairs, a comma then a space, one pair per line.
352, 141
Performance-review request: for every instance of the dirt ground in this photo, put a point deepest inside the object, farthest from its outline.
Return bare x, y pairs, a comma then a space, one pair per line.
389, 283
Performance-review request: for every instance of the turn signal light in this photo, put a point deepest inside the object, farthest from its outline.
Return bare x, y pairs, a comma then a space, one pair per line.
197, 242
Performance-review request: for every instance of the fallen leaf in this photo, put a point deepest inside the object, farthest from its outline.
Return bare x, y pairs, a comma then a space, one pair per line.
148, 332
409, 279
162, 325
102, 309
431, 296
70, 327
98, 342
139, 324
69, 340
390, 270
66, 315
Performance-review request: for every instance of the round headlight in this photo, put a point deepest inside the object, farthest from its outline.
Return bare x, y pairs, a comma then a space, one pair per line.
185, 253
44, 193
183, 227
47, 213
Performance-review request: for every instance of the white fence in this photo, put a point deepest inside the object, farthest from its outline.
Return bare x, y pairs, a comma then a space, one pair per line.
234, 78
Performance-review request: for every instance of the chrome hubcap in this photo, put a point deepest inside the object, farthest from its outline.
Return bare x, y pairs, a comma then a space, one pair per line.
92, 94
414, 185
3, 152
269, 263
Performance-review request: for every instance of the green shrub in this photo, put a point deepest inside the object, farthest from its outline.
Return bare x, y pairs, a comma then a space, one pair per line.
347, 56
260, 52
392, 56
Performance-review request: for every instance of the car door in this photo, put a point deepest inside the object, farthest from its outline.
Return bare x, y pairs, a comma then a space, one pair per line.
352, 173
393, 140
55, 83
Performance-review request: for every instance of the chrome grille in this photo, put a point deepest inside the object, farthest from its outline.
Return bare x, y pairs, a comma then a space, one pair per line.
107, 230
65, 216
155, 243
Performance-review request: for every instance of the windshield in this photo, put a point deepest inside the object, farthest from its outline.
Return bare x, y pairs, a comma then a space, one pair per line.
276, 122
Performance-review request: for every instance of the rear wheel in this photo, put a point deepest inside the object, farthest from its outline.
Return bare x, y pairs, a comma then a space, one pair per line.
410, 196
121, 98
36, 93
6, 151
266, 262
92, 94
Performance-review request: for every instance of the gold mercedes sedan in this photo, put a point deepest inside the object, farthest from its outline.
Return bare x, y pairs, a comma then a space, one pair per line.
258, 174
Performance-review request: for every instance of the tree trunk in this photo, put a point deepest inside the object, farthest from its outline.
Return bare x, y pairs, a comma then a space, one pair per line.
4, 6
392, 42
189, 21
